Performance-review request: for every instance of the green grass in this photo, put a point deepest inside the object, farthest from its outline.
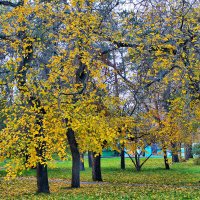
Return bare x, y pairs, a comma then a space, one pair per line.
153, 182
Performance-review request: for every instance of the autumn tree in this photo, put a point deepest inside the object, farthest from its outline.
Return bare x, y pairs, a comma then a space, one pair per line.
154, 53
88, 75
56, 71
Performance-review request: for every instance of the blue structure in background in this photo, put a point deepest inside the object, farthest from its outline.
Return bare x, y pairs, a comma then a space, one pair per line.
157, 152
154, 149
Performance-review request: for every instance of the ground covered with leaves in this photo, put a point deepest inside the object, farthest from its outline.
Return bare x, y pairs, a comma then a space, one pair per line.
153, 182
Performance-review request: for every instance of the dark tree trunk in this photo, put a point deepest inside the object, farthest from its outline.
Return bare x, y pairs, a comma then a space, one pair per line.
75, 183
138, 168
96, 168
188, 152
166, 160
42, 173
82, 167
137, 162
90, 159
122, 155
175, 157
42, 179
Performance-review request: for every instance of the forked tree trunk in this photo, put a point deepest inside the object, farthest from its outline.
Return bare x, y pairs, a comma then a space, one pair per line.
166, 160
82, 166
75, 182
42, 179
96, 168
90, 159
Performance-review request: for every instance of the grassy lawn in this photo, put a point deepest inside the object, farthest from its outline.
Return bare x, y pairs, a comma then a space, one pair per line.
153, 182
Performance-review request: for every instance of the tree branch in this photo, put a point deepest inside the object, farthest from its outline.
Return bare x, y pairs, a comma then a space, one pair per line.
146, 160
161, 75
130, 158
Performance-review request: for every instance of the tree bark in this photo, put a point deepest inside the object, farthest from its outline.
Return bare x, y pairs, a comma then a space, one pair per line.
82, 166
137, 162
90, 159
75, 182
175, 157
166, 160
188, 152
122, 155
96, 168
42, 173
42, 179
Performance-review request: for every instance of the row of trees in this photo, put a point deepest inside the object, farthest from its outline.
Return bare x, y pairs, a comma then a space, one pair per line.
86, 75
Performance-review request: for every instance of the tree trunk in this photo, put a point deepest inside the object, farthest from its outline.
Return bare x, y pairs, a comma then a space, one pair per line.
75, 183
96, 168
82, 167
90, 159
42, 179
137, 162
122, 155
166, 160
180, 153
138, 168
175, 157
42, 173
188, 152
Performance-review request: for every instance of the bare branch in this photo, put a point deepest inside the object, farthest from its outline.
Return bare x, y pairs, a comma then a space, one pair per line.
161, 75
131, 158
146, 160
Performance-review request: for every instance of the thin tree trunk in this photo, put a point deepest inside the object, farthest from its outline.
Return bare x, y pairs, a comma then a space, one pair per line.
137, 161
180, 153
82, 166
90, 159
42, 179
75, 182
96, 168
122, 155
166, 160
